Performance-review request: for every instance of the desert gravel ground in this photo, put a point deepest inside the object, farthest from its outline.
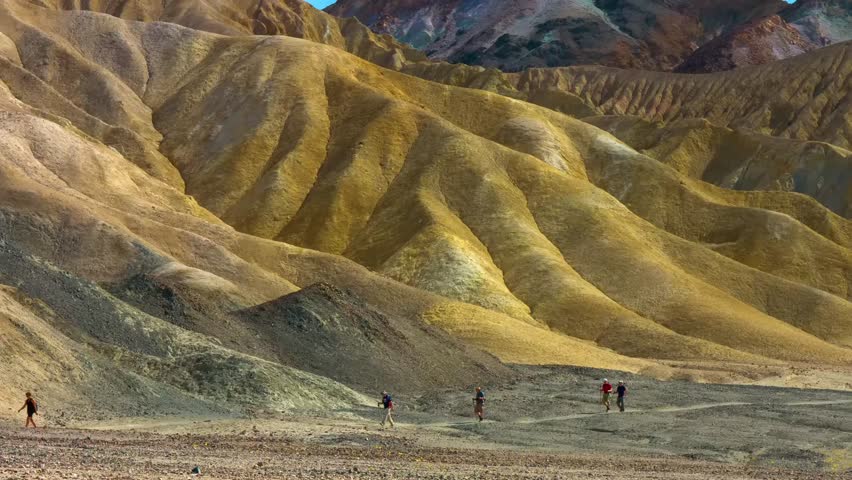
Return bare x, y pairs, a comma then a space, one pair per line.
546, 425
556, 409
66, 454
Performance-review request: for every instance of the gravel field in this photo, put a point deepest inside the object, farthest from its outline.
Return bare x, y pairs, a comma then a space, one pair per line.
66, 454
547, 425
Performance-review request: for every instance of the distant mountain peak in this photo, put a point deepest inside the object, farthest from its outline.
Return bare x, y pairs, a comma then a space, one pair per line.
645, 34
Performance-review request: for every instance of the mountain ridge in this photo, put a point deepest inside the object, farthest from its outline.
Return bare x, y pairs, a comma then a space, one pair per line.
637, 34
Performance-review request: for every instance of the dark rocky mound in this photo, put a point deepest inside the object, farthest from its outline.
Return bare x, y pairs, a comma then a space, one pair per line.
756, 43
330, 331
108, 359
182, 306
159, 300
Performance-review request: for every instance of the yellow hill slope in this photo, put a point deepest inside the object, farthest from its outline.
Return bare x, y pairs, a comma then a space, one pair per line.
508, 219
120, 219
739, 159
293, 18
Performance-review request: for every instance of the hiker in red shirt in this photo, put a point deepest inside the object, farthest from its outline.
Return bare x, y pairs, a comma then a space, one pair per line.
606, 390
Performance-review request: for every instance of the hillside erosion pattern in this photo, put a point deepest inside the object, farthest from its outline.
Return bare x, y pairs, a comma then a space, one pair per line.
805, 98
182, 184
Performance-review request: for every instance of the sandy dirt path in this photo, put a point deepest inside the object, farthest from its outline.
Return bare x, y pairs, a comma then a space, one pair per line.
703, 406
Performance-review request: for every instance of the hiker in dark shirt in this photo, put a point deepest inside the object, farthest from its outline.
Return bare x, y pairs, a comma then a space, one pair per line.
32, 409
479, 403
387, 403
621, 392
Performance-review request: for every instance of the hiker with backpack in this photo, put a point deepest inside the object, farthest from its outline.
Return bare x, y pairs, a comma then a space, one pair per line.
479, 403
32, 409
606, 391
621, 392
387, 403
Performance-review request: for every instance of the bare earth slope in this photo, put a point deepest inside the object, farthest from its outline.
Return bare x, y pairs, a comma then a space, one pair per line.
806, 97
740, 159
293, 18
173, 177
326, 330
132, 269
793, 116
75, 343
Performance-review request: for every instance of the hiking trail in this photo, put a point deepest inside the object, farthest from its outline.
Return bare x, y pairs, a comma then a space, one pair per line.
672, 409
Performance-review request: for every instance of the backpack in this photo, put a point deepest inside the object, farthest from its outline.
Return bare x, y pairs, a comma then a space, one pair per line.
387, 401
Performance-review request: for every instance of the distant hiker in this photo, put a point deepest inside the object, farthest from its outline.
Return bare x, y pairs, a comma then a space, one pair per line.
479, 403
387, 404
32, 409
620, 391
606, 390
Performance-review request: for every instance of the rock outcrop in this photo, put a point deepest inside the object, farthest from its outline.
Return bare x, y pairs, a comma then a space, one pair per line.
756, 43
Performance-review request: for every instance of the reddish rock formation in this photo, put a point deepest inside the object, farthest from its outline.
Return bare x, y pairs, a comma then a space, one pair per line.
756, 43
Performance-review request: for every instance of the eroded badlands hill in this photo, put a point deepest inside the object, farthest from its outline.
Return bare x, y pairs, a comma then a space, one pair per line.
161, 186
293, 18
793, 117
805, 97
